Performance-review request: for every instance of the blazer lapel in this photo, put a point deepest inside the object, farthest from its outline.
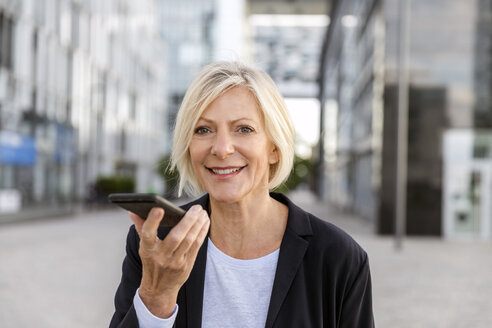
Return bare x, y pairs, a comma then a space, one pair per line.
194, 289
196, 281
291, 254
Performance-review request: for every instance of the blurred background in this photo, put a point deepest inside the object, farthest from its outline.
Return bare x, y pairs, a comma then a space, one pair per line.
393, 110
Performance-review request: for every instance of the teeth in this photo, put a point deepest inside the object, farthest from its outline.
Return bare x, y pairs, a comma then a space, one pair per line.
225, 171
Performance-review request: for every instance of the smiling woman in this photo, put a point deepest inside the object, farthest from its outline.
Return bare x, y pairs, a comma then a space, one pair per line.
230, 151
266, 262
262, 96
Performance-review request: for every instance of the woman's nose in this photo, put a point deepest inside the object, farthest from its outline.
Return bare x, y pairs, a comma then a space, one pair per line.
223, 145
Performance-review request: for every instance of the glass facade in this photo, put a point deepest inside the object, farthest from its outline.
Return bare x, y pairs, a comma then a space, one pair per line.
353, 80
467, 188
288, 47
81, 95
188, 28
449, 84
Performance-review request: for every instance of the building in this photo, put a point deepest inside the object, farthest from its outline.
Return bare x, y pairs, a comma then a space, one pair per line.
188, 28
288, 48
449, 159
197, 33
81, 95
286, 39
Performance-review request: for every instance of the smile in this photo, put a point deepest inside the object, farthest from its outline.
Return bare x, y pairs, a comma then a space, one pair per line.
225, 171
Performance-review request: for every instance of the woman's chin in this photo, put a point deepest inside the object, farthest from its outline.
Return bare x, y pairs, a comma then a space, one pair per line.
226, 196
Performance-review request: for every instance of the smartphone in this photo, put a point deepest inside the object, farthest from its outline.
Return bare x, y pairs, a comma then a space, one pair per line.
141, 204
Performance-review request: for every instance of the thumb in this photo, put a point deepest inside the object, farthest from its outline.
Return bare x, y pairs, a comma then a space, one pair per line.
137, 220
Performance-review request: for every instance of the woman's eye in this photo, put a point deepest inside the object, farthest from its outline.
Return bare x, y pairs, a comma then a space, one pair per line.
245, 129
201, 130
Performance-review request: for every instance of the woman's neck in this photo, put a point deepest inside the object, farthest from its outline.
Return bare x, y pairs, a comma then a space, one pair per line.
248, 229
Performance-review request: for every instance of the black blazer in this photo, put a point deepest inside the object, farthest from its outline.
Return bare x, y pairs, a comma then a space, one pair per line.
322, 278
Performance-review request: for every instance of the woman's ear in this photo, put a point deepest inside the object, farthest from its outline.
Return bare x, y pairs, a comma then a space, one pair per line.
273, 156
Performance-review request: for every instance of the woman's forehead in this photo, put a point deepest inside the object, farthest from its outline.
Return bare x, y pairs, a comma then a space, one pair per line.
235, 104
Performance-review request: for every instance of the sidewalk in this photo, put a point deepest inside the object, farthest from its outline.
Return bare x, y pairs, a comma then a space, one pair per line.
351, 223
63, 272
431, 282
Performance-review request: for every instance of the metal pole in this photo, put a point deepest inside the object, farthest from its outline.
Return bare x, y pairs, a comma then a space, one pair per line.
321, 151
402, 143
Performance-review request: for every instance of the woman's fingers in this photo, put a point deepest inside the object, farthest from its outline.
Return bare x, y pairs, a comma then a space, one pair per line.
137, 220
166, 264
202, 234
148, 233
192, 235
179, 233
182, 236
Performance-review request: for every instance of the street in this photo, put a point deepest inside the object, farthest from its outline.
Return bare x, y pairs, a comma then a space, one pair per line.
63, 272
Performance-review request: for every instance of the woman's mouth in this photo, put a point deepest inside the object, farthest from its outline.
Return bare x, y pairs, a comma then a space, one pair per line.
225, 172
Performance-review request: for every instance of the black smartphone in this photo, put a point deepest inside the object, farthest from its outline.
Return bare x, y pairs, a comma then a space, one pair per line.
141, 204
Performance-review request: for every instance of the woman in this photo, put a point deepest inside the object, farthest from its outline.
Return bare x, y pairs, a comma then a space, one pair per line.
242, 256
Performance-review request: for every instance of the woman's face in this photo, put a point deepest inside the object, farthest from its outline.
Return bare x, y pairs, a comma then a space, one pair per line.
230, 151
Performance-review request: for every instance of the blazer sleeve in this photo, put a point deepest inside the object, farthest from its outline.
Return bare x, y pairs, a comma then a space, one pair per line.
357, 305
125, 315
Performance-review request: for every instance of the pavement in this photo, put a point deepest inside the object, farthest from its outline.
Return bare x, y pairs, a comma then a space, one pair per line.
63, 272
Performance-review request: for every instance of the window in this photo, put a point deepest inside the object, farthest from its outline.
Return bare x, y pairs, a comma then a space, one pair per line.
39, 12
6, 40
2, 33
75, 25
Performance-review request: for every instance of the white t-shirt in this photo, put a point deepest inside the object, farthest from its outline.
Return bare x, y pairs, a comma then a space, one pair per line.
236, 292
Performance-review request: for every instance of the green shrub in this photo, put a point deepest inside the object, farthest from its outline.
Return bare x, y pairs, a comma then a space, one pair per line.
302, 172
170, 177
106, 185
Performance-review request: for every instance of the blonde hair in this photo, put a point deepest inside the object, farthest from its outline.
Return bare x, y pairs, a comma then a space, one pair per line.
210, 83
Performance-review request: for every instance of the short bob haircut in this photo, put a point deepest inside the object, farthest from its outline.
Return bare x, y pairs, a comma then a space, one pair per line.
210, 83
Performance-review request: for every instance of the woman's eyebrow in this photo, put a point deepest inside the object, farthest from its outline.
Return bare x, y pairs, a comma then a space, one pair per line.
231, 121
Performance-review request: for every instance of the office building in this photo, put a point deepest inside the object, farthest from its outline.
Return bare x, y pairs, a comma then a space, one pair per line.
81, 95
188, 28
449, 110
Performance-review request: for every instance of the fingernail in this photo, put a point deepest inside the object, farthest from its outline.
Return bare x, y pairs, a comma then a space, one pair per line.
157, 212
195, 209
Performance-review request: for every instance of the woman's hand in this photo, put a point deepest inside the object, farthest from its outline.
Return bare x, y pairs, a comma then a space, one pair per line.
166, 264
